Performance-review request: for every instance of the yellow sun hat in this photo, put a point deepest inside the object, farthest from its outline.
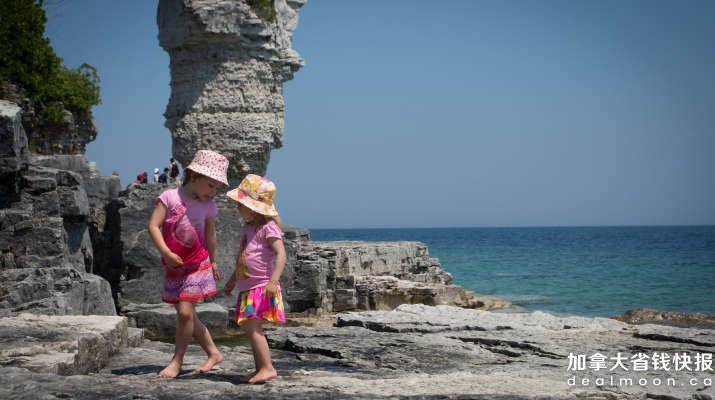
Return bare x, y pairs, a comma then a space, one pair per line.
256, 193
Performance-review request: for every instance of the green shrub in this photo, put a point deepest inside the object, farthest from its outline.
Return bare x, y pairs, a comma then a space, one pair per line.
265, 9
52, 113
77, 88
29, 60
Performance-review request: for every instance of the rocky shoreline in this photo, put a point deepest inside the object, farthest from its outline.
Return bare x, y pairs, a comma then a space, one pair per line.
414, 351
366, 321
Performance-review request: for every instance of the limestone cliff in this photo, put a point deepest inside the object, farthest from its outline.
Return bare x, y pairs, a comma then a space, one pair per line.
227, 70
53, 215
57, 220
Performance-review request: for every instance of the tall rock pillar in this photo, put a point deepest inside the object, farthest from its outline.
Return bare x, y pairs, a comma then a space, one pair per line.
228, 66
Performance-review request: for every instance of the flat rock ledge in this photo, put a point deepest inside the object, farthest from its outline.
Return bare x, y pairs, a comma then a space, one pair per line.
673, 318
412, 352
64, 345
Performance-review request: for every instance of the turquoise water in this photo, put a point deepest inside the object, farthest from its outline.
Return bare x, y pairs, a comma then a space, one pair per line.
598, 271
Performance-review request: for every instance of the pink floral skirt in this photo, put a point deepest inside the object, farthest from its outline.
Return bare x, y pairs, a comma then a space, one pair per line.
190, 282
256, 303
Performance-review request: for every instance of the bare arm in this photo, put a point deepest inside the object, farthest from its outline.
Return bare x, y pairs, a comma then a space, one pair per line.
228, 288
210, 240
280, 262
154, 227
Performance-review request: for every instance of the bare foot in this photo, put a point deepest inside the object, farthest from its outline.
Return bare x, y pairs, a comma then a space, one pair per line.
245, 379
210, 362
262, 376
171, 370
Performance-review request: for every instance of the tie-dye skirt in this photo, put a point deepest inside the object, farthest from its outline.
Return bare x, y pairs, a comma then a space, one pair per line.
256, 303
189, 283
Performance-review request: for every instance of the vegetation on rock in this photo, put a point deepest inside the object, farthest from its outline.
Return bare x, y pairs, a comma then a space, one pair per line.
29, 60
265, 9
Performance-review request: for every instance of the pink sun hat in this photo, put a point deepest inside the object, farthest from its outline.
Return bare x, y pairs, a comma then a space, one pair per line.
256, 193
210, 164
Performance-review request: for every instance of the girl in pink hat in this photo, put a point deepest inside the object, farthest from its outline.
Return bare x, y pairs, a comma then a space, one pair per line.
183, 230
259, 265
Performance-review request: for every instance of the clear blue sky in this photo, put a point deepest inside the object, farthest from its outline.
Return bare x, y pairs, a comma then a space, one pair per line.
462, 113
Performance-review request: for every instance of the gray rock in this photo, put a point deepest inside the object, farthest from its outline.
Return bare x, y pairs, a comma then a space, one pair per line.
64, 162
68, 137
412, 317
141, 264
651, 316
497, 353
347, 275
47, 243
64, 345
487, 355
135, 337
13, 140
86, 198
227, 72
58, 291
159, 320
97, 296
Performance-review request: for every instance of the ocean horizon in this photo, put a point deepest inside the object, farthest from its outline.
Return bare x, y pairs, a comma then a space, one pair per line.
570, 270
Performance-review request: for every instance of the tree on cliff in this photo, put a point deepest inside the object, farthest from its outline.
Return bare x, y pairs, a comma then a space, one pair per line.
28, 59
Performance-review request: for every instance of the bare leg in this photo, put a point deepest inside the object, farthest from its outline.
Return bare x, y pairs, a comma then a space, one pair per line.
184, 331
203, 336
261, 352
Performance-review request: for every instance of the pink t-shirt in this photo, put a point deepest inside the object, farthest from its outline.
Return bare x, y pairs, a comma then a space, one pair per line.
198, 211
259, 253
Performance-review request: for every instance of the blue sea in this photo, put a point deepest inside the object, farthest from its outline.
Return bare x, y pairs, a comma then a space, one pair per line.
590, 271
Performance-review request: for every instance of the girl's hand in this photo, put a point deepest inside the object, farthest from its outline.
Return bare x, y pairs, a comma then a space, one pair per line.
217, 273
173, 259
271, 288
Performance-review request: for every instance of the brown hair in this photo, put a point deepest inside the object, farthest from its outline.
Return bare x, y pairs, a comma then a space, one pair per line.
260, 218
188, 177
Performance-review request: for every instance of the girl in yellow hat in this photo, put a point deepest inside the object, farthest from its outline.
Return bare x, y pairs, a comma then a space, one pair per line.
259, 265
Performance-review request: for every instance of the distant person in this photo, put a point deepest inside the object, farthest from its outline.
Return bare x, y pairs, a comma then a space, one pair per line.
164, 177
115, 173
138, 181
182, 228
259, 265
156, 175
145, 177
174, 171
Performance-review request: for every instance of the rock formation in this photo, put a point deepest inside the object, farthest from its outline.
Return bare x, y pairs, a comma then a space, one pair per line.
53, 214
350, 275
228, 66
